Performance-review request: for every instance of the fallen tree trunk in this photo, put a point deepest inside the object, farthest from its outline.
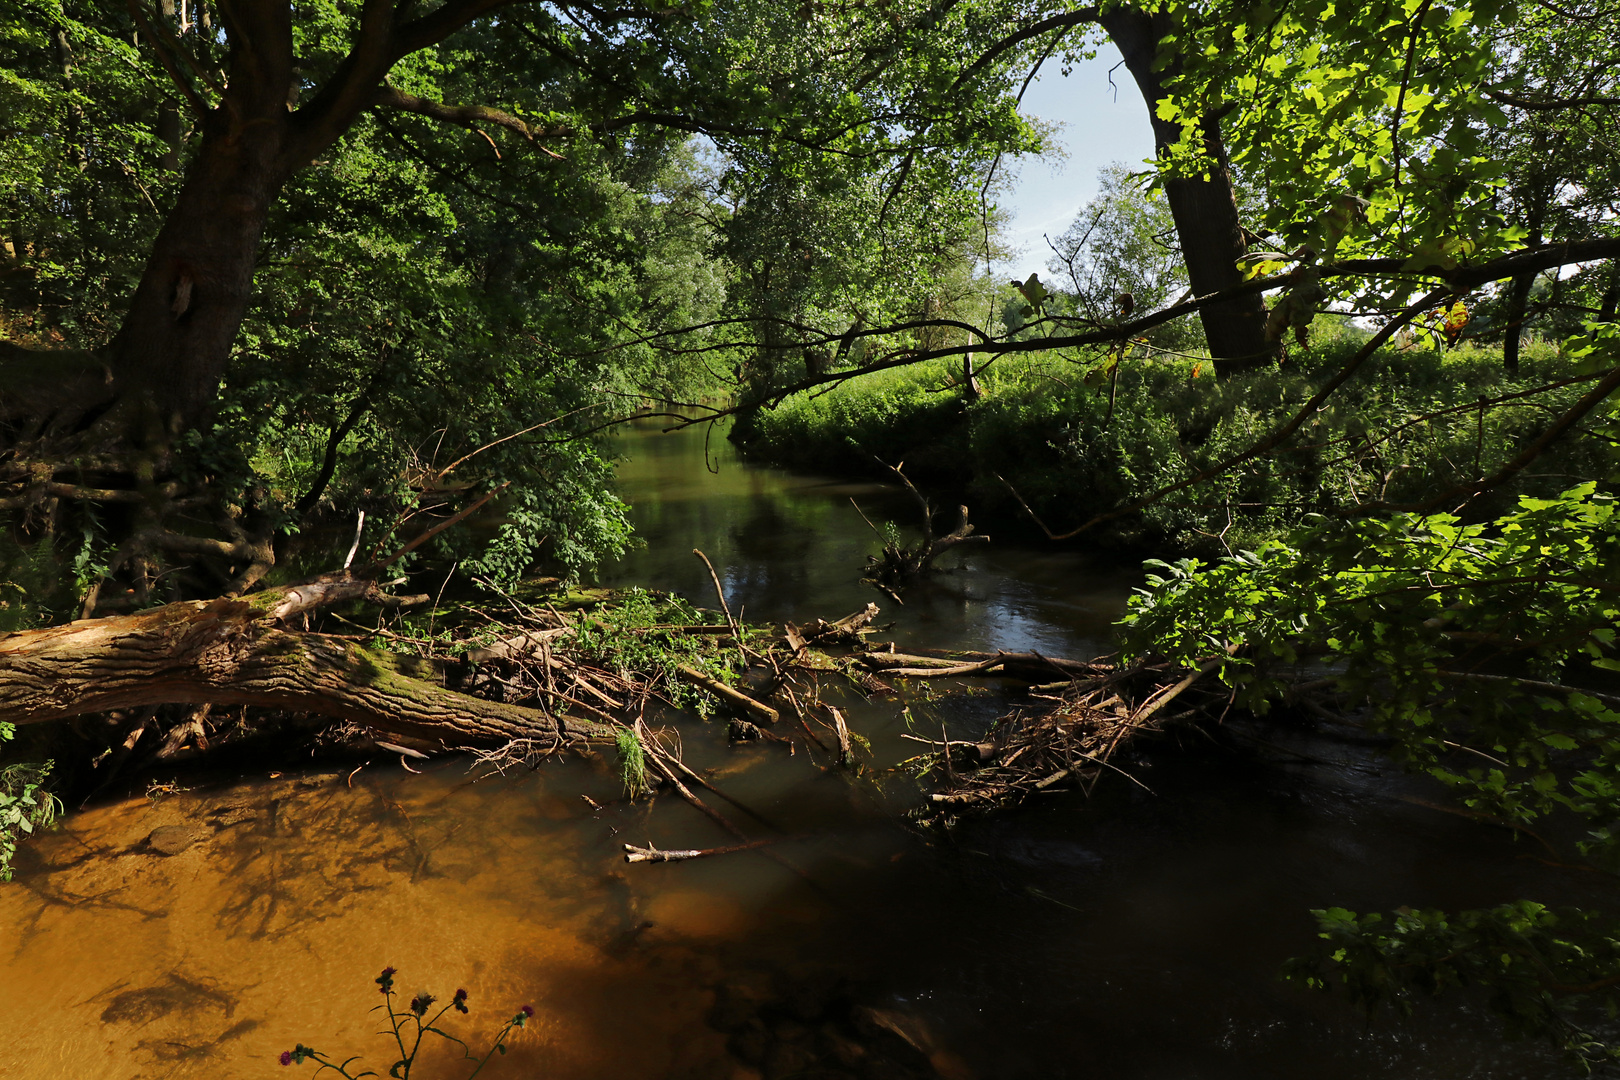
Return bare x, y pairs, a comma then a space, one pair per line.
229, 652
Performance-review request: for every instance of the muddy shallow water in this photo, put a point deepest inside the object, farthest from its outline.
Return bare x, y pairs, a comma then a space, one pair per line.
1137, 935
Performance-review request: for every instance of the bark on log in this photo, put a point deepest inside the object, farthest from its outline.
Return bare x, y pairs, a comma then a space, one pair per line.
228, 652
726, 693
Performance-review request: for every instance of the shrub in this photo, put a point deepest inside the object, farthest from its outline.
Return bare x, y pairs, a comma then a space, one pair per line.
1072, 445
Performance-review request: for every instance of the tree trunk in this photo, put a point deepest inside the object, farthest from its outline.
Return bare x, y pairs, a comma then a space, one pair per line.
1204, 208
1518, 303
228, 652
175, 342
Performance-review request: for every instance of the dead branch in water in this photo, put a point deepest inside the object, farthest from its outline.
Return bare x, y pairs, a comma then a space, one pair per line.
897, 566
1073, 739
634, 854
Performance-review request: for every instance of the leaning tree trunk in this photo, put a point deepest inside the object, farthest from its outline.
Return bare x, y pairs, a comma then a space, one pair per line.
169, 355
175, 342
231, 652
1518, 305
1204, 208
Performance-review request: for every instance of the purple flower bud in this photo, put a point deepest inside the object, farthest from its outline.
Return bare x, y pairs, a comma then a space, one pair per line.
286, 1057
528, 1010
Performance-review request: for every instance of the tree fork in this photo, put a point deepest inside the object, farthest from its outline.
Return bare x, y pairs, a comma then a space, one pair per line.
228, 651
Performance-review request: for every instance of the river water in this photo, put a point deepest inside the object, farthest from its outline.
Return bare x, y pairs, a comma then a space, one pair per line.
1135, 935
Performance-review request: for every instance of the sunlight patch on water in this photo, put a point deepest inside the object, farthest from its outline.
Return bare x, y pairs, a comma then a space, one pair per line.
269, 929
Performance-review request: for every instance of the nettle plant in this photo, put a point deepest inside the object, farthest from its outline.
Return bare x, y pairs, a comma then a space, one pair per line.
409, 1028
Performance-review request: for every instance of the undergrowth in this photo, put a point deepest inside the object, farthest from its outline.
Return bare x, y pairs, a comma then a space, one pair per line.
638, 632
25, 805
1072, 446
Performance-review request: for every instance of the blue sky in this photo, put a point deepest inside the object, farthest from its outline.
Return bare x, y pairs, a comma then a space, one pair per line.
1097, 130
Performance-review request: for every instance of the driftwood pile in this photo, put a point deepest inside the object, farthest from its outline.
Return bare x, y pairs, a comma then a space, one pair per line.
1070, 737
177, 681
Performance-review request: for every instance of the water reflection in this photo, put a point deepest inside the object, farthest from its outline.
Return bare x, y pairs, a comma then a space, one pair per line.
1137, 935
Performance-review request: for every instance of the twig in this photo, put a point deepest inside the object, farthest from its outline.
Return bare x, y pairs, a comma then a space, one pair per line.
724, 607
721, 690
454, 519
633, 854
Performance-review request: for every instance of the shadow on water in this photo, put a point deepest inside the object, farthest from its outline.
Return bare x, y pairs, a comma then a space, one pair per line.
1134, 935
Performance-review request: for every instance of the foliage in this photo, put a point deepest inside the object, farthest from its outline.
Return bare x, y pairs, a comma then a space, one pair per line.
1479, 650
1380, 102
632, 762
25, 805
1061, 443
1434, 132
897, 415
1121, 255
410, 1025
82, 175
1543, 971
425, 292
641, 632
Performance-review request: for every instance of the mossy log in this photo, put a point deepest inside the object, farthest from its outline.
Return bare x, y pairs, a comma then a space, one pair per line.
230, 651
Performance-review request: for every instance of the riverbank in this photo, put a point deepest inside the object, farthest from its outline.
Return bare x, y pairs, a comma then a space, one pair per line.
1137, 932
1410, 424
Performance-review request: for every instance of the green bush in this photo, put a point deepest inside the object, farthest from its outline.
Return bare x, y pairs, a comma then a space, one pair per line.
24, 803
912, 414
1072, 445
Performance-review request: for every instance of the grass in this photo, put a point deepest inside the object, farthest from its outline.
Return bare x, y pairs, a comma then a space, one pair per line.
1051, 432
632, 762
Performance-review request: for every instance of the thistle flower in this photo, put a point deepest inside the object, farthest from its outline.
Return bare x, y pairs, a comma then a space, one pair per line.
460, 1001
420, 1003
286, 1057
386, 980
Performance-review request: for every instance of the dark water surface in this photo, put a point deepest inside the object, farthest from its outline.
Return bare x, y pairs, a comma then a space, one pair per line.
1138, 935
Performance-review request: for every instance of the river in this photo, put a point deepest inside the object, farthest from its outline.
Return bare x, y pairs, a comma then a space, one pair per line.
1138, 934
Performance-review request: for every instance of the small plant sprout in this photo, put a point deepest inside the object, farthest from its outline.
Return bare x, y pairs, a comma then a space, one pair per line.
408, 1027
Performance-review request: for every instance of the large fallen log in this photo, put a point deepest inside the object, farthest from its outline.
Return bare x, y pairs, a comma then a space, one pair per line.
229, 651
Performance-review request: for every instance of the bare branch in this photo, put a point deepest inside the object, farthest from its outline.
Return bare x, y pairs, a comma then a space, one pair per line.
1065, 22
162, 43
1277, 437
390, 97
1555, 431
1545, 104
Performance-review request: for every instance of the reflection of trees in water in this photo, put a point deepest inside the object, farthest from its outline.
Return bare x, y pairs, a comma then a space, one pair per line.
770, 546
